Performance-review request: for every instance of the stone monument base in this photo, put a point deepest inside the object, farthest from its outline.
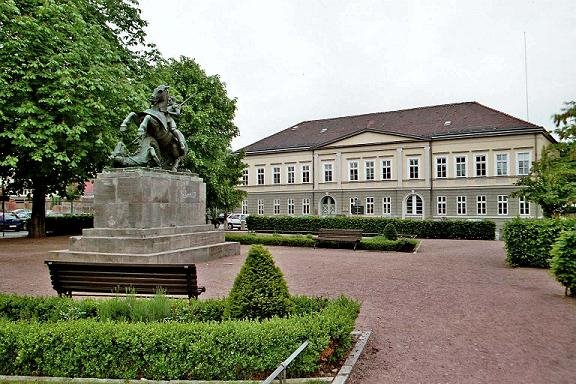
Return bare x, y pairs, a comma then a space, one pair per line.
145, 216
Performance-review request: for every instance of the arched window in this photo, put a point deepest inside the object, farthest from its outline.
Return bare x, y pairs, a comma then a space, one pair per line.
414, 205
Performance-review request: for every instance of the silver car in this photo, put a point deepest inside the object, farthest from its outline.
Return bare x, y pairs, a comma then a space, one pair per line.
235, 220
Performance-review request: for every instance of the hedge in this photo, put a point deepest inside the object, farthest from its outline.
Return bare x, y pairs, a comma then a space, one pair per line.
175, 351
377, 243
68, 224
424, 229
529, 241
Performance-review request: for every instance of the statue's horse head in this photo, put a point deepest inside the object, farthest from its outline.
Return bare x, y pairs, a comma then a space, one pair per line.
160, 97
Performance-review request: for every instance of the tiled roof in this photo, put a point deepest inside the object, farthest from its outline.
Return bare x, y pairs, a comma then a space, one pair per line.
420, 123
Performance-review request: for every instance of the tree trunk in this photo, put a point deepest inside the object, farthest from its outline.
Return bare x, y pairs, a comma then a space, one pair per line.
37, 224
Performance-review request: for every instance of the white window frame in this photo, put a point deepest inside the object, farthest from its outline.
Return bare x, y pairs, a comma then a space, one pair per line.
529, 163
523, 206
503, 205
290, 206
481, 205
245, 175
353, 201
412, 203
369, 170
276, 207
415, 166
460, 168
497, 162
386, 167
245, 207
484, 162
441, 205
325, 171
290, 174
461, 206
369, 206
305, 170
260, 207
441, 166
260, 179
276, 175
387, 206
353, 171
305, 206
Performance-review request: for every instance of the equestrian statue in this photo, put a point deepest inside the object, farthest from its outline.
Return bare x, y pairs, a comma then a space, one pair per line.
160, 143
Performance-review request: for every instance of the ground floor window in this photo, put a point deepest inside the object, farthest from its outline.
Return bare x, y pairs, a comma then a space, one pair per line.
386, 205
414, 205
524, 206
276, 206
245, 207
461, 205
290, 206
260, 207
502, 205
369, 205
305, 206
481, 205
441, 205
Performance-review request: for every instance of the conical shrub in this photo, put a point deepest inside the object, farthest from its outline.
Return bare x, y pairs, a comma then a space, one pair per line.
390, 232
259, 291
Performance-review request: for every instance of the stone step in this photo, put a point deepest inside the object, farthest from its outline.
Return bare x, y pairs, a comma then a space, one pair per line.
140, 232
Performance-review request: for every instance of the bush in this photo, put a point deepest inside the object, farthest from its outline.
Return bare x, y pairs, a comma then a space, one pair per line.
230, 350
380, 243
563, 262
259, 290
424, 229
528, 241
390, 232
288, 241
68, 224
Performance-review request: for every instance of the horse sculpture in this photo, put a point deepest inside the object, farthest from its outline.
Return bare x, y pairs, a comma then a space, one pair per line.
160, 144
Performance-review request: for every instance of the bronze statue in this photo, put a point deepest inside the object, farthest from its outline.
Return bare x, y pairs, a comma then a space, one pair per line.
160, 143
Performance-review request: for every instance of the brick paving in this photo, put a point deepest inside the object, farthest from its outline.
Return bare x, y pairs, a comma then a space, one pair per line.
452, 313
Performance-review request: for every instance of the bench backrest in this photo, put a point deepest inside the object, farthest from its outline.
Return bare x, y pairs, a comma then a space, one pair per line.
172, 279
340, 233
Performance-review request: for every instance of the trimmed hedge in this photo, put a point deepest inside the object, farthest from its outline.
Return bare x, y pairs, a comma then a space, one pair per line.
529, 241
377, 243
175, 351
563, 262
424, 229
68, 224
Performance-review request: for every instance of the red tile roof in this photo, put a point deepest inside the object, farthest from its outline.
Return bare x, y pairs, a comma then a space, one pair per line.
419, 123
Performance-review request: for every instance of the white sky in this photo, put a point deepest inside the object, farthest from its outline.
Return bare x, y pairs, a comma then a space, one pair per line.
290, 61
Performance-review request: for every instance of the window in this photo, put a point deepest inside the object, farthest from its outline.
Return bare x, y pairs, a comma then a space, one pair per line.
353, 204
386, 169
386, 205
461, 205
524, 207
460, 166
276, 175
305, 206
501, 164
260, 176
502, 204
522, 163
276, 206
481, 205
245, 177
440, 167
414, 205
369, 205
290, 206
245, 207
306, 173
413, 168
441, 205
327, 172
290, 174
369, 168
260, 207
353, 171
480, 161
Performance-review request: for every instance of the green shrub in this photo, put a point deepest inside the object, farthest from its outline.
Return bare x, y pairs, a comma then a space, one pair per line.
275, 239
563, 262
259, 290
390, 232
528, 241
424, 229
230, 350
380, 243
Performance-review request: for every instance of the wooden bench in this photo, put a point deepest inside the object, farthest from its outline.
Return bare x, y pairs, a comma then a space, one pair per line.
340, 236
110, 278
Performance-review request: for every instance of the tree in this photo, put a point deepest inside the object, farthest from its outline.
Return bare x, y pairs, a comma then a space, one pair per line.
69, 72
207, 123
552, 179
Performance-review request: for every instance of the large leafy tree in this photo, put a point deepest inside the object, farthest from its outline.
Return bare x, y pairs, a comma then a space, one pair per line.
552, 180
207, 123
69, 72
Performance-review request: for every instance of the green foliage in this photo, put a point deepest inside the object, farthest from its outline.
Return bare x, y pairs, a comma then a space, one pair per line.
173, 351
423, 229
390, 232
207, 123
563, 262
68, 224
253, 238
529, 241
259, 290
381, 243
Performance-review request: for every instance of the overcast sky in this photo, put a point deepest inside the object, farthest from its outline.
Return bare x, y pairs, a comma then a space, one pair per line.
291, 61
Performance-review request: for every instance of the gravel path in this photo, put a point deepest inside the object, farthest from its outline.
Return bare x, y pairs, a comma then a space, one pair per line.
452, 313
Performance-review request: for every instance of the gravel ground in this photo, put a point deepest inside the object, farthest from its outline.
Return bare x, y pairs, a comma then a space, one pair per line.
451, 313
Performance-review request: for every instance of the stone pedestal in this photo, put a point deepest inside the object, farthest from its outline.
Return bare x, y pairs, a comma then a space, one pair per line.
148, 216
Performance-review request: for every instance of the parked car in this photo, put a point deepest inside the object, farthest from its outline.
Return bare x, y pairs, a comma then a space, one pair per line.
235, 220
9, 220
23, 213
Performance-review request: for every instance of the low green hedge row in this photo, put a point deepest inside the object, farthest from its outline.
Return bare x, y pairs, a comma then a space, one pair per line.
172, 351
53, 309
529, 241
377, 243
429, 229
68, 224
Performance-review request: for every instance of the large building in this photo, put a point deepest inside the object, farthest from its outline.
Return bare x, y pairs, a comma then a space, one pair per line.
455, 161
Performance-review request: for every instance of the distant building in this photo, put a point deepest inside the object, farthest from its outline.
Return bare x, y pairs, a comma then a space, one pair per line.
457, 161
